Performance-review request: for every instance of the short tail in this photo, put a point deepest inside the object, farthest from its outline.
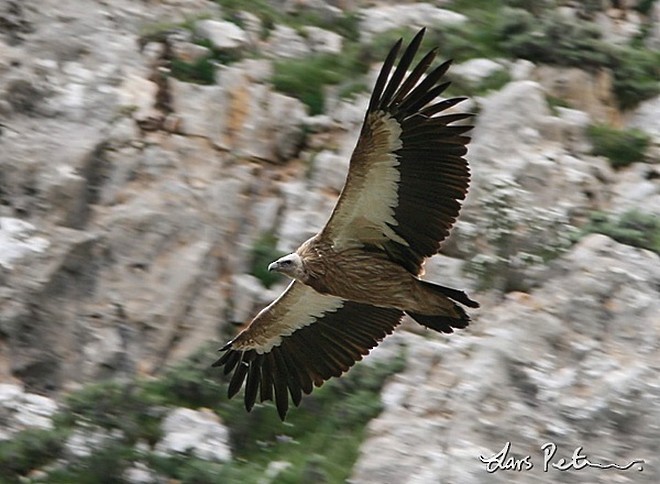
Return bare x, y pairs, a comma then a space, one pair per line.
453, 294
442, 324
446, 323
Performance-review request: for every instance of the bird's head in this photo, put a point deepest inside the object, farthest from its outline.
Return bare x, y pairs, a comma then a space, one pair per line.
290, 265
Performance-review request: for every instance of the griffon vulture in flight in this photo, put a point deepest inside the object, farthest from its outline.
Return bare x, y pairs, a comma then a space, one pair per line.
355, 279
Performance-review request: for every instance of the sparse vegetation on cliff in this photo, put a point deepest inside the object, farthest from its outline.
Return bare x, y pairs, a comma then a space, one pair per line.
264, 251
620, 147
306, 78
632, 228
328, 425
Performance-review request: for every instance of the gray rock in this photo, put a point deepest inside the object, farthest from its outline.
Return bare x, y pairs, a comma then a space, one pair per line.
188, 51
619, 27
522, 70
139, 473
532, 184
573, 126
35, 411
274, 469
67, 192
223, 35
197, 107
15, 21
636, 188
246, 292
391, 348
285, 42
475, 71
653, 38
304, 215
583, 90
319, 123
17, 240
508, 128
85, 440
138, 95
10, 394
322, 40
327, 10
345, 116
329, 170
20, 410
199, 432
241, 114
289, 113
104, 348
645, 117
252, 25
412, 15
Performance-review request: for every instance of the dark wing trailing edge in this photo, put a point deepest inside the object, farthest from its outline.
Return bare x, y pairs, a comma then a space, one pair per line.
301, 340
408, 171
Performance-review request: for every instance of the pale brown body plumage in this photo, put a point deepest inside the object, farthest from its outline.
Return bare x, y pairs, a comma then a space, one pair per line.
370, 278
356, 278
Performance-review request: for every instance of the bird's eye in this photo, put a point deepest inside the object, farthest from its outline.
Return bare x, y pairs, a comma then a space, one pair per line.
286, 262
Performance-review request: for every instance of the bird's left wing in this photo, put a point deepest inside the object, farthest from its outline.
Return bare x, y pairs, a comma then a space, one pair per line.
408, 171
299, 341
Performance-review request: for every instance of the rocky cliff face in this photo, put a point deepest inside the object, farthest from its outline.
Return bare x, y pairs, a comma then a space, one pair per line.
572, 364
131, 238
133, 203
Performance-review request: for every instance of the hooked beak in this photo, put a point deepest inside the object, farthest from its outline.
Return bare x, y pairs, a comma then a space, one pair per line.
272, 266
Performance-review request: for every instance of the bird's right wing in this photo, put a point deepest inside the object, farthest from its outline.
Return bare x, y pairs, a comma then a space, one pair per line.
299, 341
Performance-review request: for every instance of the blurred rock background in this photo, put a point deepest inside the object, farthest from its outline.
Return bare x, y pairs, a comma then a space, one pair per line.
155, 155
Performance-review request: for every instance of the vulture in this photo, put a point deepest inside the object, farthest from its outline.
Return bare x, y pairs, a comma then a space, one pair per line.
354, 280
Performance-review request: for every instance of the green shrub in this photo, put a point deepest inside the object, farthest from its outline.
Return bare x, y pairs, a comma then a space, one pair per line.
201, 71
264, 9
463, 42
263, 253
536, 7
558, 40
320, 439
350, 89
644, 6
632, 228
621, 147
191, 383
552, 39
28, 450
116, 405
105, 465
636, 73
323, 435
346, 25
556, 102
305, 78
